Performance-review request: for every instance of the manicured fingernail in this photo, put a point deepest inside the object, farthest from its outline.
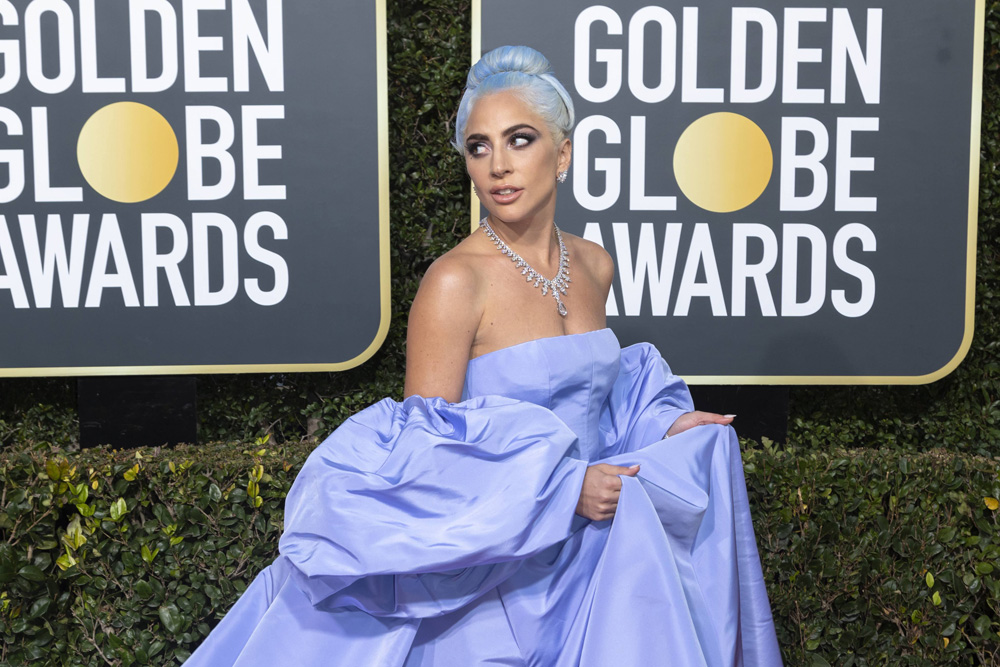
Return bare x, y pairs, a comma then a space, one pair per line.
729, 416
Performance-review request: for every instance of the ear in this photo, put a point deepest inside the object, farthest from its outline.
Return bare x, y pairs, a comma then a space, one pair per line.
565, 155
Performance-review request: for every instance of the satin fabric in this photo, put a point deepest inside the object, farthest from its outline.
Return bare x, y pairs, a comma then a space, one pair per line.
431, 534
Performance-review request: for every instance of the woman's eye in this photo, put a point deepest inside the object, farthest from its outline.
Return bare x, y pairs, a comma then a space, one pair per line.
519, 140
476, 149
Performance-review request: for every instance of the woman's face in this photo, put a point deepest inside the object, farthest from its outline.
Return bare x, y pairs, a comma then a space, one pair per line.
513, 159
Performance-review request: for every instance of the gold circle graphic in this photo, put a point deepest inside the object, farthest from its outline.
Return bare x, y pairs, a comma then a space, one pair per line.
723, 162
127, 152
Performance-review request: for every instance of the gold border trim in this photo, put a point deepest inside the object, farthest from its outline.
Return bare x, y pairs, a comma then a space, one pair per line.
477, 53
970, 253
385, 305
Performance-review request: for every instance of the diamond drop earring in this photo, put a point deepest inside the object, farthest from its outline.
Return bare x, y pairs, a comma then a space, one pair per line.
562, 176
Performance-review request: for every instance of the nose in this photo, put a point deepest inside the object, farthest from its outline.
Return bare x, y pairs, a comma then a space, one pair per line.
499, 165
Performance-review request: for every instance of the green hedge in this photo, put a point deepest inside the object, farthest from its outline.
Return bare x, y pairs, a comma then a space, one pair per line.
871, 557
128, 557
876, 557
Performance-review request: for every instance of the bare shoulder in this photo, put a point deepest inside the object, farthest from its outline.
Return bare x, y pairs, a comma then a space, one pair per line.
451, 291
443, 321
453, 273
592, 257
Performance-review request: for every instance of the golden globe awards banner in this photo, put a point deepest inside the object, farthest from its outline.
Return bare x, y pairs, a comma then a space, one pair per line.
196, 185
788, 189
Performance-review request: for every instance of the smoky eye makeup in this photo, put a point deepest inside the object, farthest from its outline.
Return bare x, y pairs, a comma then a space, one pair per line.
475, 148
520, 139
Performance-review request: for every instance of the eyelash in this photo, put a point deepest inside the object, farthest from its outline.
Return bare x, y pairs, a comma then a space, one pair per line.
528, 138
473, 148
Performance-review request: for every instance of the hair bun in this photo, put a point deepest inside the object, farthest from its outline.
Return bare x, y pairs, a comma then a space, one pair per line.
527, 72
522, 59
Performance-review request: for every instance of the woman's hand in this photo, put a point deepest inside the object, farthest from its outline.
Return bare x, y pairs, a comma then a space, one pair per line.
698, 418
601, 488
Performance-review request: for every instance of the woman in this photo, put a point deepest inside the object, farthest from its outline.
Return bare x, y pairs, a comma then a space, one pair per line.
522, 505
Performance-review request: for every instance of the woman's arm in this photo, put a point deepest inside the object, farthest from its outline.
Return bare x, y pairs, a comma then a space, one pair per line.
443, 321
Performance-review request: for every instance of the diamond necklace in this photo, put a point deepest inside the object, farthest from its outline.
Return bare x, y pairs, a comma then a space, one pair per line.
557, 285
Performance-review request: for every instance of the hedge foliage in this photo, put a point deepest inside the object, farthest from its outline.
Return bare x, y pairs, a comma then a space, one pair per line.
876, 520
130, 557
879, 557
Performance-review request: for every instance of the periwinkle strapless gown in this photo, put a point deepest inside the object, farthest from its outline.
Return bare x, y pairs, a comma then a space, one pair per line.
426, 533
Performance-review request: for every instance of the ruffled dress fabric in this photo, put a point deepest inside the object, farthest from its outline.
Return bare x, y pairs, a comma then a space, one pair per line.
432, 534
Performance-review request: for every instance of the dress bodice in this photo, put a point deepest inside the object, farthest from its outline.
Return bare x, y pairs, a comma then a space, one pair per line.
570, 375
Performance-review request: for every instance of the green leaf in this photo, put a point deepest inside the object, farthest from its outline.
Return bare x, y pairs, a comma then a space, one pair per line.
984, 568
31, 573
171, 618
65, 561
936, 599
929, 579
81, 493
982, 624
143, 589
148, 555
118, 509
214, 493
39, 607
74, 537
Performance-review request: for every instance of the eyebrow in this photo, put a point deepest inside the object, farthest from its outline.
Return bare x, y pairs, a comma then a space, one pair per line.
506, 133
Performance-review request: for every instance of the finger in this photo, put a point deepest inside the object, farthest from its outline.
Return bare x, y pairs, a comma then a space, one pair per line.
618, 470
713, 418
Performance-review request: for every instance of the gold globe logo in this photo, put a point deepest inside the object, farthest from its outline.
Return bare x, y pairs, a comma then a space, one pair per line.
127, 152
723, 162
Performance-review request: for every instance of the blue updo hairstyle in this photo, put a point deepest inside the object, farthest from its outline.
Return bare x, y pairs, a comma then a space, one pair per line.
527, 73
